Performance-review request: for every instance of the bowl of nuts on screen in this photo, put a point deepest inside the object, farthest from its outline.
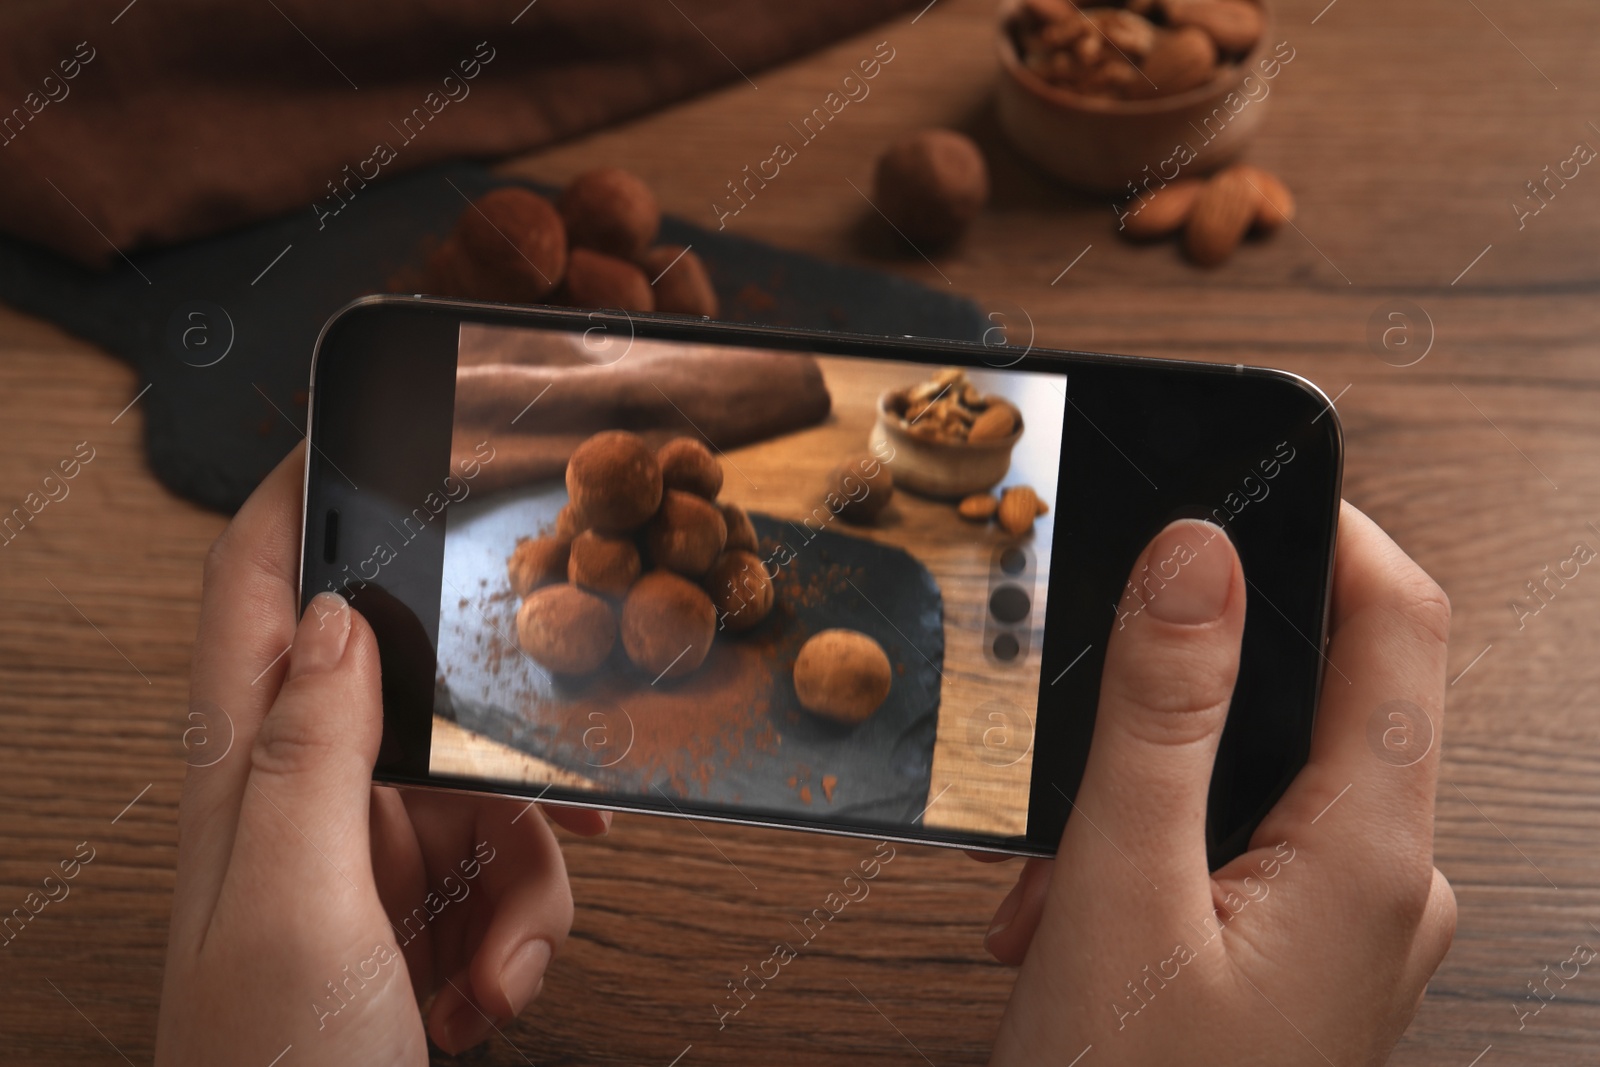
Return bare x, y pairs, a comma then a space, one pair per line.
949, 439
1106, 95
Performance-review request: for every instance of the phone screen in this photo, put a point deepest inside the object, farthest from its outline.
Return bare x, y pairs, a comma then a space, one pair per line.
856, 584
823, 611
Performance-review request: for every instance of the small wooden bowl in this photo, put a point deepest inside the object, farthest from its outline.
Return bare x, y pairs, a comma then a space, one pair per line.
1101, 144
944, 470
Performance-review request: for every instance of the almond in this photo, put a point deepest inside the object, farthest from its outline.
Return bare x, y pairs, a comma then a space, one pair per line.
1235, 25
1162, 210
1128, 33
1060, 34
979, 507
995, 424
1054, 67
1181, 60
1222, 213
1043, 507
1277, 203
1019, 506
1046, 11
1113, 74
1087, 49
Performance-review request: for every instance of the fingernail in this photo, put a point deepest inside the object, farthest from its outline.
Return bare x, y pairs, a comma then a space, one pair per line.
1187, 573
467, 1026
320, 639
523, 971
605, 817
1004, 913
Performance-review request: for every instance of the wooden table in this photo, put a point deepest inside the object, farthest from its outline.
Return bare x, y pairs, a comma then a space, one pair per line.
1406, 130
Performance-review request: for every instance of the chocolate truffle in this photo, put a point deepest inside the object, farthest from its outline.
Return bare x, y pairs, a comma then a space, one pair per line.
595, 280
688, 465
680, 280
568, 524
565, 629
687, 534
537, 561
611, 210
603, 564
516, 241
667, 625
859, 489
614, 482
842, 675
443, 273
931, 185
741, 532
740, 590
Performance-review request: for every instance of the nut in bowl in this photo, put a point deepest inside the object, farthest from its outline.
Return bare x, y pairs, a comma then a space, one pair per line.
949, 440
1106, 96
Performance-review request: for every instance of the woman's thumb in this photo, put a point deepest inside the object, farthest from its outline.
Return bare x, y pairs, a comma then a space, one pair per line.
1164, 693
311, 763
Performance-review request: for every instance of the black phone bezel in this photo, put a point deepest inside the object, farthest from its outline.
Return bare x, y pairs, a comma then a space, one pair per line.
409, 341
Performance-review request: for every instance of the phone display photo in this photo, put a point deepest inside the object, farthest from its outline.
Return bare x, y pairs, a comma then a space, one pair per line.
845, 584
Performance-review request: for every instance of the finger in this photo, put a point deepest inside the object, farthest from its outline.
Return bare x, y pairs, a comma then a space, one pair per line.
987, 857
1435, 932
456, 1022
247, 618
524, 914
531, 918
1017, 917
585, 822
402, 879
1384, 684
304, 819
1139, 818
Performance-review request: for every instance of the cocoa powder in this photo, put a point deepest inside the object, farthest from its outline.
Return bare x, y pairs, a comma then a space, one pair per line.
683, 736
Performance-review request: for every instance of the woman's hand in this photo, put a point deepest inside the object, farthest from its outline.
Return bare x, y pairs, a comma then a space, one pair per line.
313, 910
1312, 948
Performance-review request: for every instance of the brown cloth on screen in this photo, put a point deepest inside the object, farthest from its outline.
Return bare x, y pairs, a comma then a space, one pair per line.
125, 126
536, 396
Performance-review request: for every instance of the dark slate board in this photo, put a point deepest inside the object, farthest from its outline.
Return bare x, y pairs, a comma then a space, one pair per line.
222, 329
884, 766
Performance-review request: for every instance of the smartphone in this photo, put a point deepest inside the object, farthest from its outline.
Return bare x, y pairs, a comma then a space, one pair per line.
848, 584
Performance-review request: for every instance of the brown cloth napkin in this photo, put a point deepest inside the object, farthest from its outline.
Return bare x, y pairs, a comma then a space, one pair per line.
536, 395
130, 125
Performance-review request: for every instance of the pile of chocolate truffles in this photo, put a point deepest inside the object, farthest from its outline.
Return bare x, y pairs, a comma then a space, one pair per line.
630, 508
594, 248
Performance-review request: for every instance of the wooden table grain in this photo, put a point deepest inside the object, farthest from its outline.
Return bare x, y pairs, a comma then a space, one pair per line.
1407, 131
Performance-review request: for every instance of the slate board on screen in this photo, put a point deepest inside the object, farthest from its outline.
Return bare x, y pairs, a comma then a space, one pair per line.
881, 769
